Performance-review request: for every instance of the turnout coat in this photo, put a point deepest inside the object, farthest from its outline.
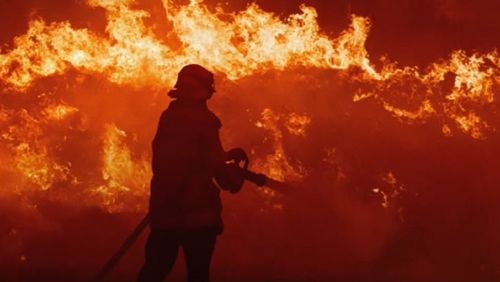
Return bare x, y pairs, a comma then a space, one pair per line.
187, 153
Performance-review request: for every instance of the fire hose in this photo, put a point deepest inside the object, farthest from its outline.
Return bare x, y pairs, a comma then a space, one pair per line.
256, 178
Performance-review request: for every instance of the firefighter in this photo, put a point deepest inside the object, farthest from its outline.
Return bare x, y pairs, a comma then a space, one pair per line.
185, 206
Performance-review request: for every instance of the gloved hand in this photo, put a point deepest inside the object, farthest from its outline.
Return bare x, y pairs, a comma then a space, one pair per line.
237, 155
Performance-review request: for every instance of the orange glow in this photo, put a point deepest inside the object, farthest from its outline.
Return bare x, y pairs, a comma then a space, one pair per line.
382, 117
276, 165
121, 173
237, 44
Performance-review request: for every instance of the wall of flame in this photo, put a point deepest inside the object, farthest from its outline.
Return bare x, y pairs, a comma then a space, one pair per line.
371, 143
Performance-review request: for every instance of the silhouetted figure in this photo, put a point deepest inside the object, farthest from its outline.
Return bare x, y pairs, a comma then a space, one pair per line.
185, 206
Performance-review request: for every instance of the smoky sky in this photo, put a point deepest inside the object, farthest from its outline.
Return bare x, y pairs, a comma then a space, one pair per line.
410, 32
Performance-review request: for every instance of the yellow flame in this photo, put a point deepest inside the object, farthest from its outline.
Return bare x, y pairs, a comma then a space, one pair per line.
473, 80
472, 124
276, 165
240, 44
251, 41
121, 171
424, 111
297, 124
254, 40
31, 156
59, 111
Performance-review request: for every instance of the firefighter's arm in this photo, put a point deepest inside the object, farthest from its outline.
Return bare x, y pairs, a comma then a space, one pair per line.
217, 156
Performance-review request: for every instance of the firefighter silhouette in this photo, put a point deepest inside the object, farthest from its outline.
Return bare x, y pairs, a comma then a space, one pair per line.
185, 206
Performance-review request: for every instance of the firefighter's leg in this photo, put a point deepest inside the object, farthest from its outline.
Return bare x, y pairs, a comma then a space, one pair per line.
198, 248
161, 252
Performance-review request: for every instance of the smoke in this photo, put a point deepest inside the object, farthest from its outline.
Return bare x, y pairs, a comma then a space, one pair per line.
377, 199
335, 226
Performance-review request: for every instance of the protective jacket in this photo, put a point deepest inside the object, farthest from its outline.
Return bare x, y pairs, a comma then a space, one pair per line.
187, 153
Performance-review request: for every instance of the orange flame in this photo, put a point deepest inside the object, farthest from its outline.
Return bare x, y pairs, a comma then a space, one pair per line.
237, 44
122, 173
